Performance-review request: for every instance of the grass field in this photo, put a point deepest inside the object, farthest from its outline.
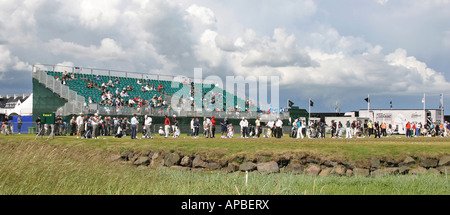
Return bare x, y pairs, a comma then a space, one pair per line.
68, 165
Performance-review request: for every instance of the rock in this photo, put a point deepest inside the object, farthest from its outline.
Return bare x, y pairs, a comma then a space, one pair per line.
444, 169
360, 172
231, 168
385, 171
404, 170
330, 163
445, 161
199, 163
375, 163
186, 161
267, 168
247, 166
213, 166
429, 163
295, 167
326, 171
408, 161
126, 155
349, 173
114, 158
171, 159
142, 161
417, 171
312, 169
157, 160
339, 170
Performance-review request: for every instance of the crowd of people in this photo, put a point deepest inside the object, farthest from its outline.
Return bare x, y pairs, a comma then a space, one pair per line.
97, 126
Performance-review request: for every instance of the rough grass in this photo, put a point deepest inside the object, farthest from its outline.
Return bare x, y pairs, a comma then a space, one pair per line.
67, 166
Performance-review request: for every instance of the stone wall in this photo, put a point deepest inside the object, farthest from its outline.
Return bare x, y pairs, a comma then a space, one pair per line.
303, 164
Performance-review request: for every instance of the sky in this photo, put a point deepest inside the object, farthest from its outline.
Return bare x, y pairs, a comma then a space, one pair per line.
334, 52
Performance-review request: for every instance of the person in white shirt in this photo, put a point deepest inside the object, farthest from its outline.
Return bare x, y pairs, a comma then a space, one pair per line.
279, 128
270, 131
244, 128
94, 124
147, 127
80, 125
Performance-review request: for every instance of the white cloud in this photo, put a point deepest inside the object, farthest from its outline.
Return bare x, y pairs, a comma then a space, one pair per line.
108, 50
204, 14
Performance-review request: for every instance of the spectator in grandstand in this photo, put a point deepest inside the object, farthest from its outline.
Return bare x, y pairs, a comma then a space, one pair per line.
72, 76
160, 88
166, 126
129, 88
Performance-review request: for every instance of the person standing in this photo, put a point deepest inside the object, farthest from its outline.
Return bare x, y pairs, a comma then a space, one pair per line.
196, 127
19, 123
173, 123
279, 128
80, 125
192, 127
148, 126
408, 129
166, 126
223, 125
300, 129
383, 129
348, 133
213, 127
370, 127
376, 128
271, 129
134, 125
258, 127
94, 124
73, 125
244, 128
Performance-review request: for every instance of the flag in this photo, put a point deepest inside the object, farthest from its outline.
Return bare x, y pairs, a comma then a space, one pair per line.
367, 99
290, 103
311, 103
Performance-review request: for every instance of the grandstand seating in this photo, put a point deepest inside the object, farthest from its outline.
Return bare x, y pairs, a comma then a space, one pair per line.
81, 81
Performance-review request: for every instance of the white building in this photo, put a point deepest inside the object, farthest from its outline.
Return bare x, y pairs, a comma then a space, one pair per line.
399, 118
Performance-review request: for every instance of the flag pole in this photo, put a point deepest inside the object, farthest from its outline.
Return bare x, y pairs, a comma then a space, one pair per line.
309, 112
